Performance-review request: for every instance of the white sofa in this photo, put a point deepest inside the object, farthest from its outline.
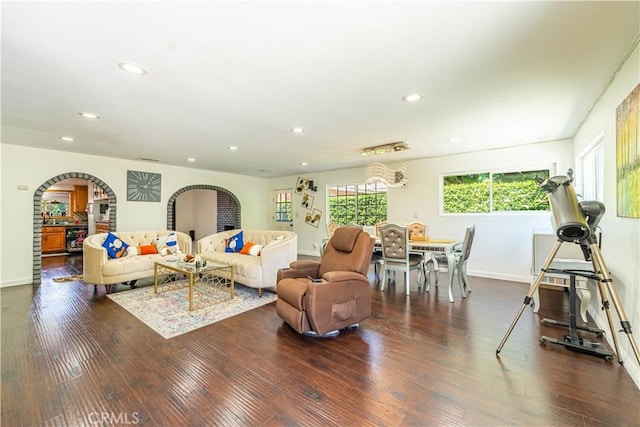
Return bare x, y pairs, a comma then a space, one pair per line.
254, 271
99, 269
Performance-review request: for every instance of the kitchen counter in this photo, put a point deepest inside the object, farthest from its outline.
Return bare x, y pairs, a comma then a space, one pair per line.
68, 225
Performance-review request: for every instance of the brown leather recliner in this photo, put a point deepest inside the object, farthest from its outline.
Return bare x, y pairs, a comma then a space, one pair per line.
340, 298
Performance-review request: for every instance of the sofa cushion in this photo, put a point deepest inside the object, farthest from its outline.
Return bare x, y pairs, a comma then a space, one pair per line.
132, 265
115, 247
234, 243
243, 265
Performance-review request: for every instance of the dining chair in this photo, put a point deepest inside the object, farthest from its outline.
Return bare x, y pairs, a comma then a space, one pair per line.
394, 240
419, 230
376, 256
377, 227
461, 256
331, 227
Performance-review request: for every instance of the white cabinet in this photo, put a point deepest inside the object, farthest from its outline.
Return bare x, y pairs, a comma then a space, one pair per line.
569, 256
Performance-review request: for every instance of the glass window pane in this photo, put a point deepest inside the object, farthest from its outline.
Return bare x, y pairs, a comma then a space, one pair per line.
283, 207
363, 204
518, 191
486, 192
466, 193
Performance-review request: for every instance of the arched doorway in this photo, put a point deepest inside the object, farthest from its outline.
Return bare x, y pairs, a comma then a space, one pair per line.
228, 212
37, 220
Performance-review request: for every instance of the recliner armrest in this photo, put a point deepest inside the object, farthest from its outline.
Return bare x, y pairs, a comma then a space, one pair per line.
342, 276
299, 269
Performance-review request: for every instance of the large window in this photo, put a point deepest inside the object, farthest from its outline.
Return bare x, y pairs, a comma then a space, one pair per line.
363, 204
494, 192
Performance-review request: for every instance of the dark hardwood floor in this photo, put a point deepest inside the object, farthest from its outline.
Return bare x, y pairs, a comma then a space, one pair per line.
70, 358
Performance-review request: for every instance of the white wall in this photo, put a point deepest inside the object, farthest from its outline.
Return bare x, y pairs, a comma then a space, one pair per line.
33, 167
184, 212
206, 216
197, 210
621, 236
502, 248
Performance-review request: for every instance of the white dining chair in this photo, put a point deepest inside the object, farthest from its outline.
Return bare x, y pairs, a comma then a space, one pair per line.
460, 262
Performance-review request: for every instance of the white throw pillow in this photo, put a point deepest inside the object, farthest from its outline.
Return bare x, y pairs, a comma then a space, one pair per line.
275, 241
133, 251
255, 250
167, 244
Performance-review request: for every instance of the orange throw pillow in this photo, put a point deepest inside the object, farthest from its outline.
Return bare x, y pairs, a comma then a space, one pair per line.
148, 249
246, 248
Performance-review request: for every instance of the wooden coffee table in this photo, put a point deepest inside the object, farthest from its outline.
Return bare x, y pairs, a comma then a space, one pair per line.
172, 274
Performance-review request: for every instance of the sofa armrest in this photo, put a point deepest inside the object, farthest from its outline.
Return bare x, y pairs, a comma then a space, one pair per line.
94, 256
273, 258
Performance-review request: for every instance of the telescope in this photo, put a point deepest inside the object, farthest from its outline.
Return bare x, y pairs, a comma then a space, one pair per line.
572, 221
577, 222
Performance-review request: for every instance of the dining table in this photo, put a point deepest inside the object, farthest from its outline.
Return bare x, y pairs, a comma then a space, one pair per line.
447, 247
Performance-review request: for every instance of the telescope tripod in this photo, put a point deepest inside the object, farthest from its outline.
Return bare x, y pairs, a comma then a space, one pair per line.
605, 284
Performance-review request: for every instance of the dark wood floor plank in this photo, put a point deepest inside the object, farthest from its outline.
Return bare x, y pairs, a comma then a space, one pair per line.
72, 358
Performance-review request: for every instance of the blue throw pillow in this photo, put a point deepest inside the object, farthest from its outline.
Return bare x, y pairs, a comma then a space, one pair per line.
234, 243
115, 247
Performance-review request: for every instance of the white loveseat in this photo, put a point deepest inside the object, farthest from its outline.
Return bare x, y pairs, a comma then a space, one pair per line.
280, 249
99, 269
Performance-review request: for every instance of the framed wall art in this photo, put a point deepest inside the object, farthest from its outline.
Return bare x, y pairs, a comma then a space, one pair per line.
307, 201
301, 185
628, 156
313, 217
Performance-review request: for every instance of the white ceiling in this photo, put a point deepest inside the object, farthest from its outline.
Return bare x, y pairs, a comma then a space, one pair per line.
494, 74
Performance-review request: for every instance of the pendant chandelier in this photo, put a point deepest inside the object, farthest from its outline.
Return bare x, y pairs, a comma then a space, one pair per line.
377, 172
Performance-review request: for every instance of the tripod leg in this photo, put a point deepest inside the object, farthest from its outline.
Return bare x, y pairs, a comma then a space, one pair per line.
532, 290
601, 269
605, 307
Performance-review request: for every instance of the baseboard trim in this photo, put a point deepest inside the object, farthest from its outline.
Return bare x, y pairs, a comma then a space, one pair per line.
18, 282
474, 273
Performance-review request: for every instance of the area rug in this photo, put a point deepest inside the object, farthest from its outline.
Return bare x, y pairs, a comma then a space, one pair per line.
168, 314
65, 279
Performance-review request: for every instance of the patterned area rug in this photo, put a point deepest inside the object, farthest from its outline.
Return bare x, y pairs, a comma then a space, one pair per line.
168, 314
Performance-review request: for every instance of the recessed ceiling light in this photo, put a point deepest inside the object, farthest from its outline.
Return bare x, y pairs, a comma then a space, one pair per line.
191, 159
413, 97
67, 138
304, 163
454, 139
233, 148
297, 130
132, 68
89, 115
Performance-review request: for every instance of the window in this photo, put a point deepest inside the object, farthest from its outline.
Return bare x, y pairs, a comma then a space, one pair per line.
363, 204
591, 172
494, 192
55, 203
283, 206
